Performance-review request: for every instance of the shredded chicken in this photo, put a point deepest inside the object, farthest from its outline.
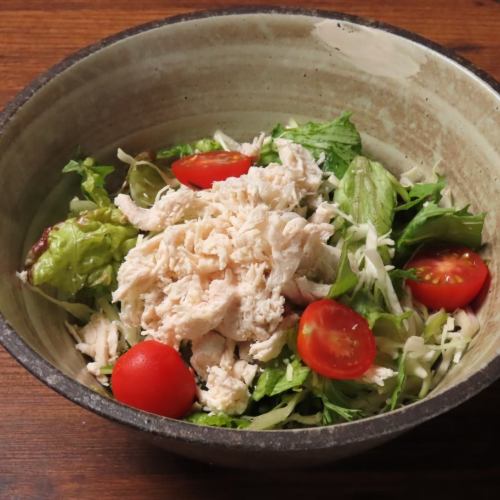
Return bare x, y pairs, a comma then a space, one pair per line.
224, 393
265, 350
303, 291
168, 210
222, 263
99, 341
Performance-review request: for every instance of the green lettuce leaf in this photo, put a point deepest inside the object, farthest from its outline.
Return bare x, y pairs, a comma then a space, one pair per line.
180, 150
218, 420
93, 179
346, 279
85, 252
371, 306
337, 140
77, 206
278, 415
368, 193
274, 381
436, 224
419, 193
144, 180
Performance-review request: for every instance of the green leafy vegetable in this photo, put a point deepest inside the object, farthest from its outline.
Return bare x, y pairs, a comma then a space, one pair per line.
218, 420
85, 252
372, 307
366, 302
277, 415
144, 180
400, 381
81, 312
332, 412
129, 334
77, 206
399, 276
419, 193
94, 177
106, 370
274, 381
338, 141
434, 325
306, 420
403, 274
269, 151
337, 405
368, 193
346, 279
435, 224
180, 150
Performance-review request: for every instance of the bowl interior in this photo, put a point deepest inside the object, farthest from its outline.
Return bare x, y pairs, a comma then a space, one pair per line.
243, 73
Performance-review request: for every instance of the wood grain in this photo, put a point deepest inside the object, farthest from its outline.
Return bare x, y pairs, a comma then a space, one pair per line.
51, 448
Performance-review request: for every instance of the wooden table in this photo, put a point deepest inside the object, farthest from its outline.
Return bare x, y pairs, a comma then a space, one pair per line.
51, 448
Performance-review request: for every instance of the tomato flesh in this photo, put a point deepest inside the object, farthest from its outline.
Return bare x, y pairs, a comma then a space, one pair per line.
335, 341
448, 278
203, 169
153, 377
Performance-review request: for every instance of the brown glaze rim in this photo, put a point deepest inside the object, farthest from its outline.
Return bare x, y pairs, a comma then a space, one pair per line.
318, 438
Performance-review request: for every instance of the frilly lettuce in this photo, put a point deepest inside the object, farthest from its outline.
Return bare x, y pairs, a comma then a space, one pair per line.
93, 179
180, 150
85, 252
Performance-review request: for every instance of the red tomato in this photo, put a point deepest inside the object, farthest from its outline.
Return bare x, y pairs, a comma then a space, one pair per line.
203, 169
153, 377
448, 277
335, 341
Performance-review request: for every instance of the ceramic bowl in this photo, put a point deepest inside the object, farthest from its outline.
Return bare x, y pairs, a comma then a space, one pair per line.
179, 79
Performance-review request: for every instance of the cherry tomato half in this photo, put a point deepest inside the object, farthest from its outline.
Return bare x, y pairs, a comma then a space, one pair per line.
203, 169
153, 377
335, 341
448, 277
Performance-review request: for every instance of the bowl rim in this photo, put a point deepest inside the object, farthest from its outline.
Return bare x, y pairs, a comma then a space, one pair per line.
316, 438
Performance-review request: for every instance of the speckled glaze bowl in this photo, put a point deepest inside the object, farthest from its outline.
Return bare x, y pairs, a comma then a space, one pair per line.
242, 71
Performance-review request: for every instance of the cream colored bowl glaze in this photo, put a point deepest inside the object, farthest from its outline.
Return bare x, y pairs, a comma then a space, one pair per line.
178, 80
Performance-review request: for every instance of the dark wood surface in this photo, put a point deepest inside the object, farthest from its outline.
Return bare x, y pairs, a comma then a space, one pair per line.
51, 448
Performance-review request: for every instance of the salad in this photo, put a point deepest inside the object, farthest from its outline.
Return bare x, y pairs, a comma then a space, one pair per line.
291, 281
